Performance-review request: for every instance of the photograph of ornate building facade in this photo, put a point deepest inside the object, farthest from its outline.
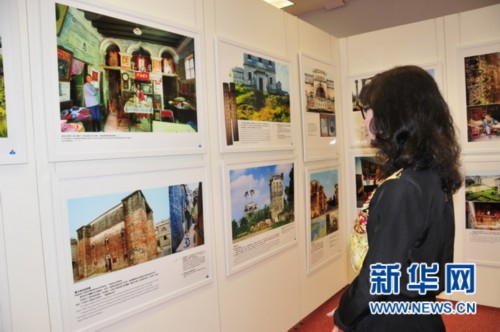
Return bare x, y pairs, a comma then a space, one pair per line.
320, 92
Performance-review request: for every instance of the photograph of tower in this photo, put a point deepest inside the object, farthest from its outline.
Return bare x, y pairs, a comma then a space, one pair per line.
262, 198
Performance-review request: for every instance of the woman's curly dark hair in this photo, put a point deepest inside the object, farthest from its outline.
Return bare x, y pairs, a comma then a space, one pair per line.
412, 124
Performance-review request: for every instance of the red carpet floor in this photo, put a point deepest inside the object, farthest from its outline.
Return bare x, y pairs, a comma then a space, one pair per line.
487, 319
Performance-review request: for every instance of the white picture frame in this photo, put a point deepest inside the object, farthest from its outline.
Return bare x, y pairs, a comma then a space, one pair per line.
257, 223
473, 106
12, 117
263, 119
481, 233
156, 134
129, 276
319, 110
323, 230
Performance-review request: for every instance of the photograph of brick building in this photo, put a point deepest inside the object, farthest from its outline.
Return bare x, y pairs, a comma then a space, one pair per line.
126, 234
324, 204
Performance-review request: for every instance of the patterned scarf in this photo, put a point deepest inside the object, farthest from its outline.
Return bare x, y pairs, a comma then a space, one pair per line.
359, 238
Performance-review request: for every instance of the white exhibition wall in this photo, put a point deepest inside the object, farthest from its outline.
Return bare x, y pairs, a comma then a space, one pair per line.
274, 293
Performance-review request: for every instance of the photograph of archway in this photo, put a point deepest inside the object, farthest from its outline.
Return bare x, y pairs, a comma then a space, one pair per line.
120, 76
113, 232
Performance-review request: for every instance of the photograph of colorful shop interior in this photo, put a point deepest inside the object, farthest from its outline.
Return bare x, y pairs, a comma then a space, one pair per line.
120, 76
483, 100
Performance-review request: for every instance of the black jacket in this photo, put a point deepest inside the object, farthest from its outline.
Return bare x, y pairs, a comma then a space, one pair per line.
410, 220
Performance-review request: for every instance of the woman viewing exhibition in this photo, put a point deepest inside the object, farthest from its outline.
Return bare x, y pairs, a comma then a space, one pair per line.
410, 215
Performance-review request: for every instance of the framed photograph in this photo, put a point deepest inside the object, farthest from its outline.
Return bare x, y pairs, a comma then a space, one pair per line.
482, 217
260, 211
479, 84
12, 101
111, 115
322, 215
318, 110
254, 99
124, 240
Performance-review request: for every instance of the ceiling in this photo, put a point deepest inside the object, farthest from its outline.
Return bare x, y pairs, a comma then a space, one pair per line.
111, 27
359, 16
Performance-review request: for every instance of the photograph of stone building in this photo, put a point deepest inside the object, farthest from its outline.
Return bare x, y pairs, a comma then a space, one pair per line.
127, 234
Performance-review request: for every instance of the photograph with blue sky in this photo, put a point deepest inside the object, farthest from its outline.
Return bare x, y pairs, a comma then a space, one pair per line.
82, 211
256, 179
